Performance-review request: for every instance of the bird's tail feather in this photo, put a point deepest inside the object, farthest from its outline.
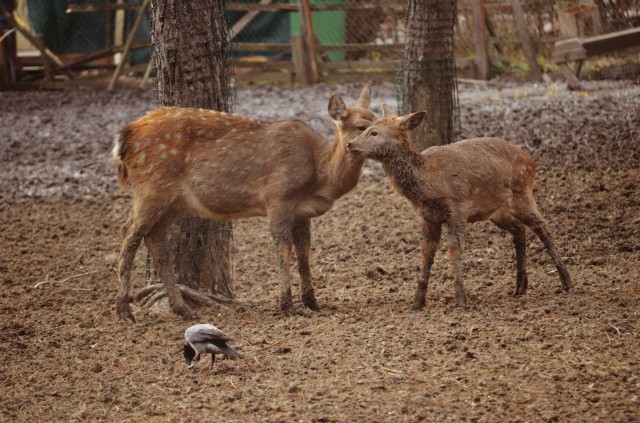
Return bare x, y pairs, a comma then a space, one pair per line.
227, 350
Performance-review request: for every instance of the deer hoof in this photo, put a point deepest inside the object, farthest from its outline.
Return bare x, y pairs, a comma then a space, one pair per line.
418, 305
419, 300
461, 303
519, 292
124, 310
309, 300
286, 305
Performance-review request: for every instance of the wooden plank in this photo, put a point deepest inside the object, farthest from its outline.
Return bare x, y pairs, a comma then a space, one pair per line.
361, 65
107, 7
271, 65
572, 80
574, 49
362, 46
481, 40
5, 63
280, 48
568, 51
246, 20
529, 50
102, 53
285, 7
127, 47
612, 41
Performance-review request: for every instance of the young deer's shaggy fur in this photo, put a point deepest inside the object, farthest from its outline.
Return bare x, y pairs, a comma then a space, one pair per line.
467, 181
221, 166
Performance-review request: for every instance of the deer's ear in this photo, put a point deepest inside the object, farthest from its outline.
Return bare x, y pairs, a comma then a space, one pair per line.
387, 112
411, 121
337, 108
365, 96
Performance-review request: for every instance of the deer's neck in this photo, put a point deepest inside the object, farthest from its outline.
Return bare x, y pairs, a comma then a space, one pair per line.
403, 165
341, 169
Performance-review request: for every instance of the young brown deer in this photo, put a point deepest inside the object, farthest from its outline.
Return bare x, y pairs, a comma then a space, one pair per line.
464, 182
221, 166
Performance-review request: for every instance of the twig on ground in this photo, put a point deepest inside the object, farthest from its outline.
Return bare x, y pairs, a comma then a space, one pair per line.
46, 280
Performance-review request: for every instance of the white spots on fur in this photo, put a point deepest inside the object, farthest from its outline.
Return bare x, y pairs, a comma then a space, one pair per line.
161, 146
178, 136
164, 156
173, 151
167, 136
146, 141
141, 158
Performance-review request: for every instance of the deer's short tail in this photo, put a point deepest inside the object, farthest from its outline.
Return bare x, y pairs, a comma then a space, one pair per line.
119, 152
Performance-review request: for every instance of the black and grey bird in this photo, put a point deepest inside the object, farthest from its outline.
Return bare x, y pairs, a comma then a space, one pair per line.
205, 338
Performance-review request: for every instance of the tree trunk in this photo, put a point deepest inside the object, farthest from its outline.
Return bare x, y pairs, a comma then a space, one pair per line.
429, 73
191, 43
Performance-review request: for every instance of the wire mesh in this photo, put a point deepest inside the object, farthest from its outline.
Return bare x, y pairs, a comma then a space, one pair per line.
454, 96
201, 249
72, 29
354, 36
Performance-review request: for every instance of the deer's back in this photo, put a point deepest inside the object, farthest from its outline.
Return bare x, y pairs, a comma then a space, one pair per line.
479, 175
218, 165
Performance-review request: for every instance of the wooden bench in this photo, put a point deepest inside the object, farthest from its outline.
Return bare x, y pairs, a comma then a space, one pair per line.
579, 49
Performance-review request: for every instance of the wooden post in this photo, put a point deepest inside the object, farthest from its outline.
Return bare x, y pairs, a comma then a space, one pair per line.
8, 58
309, 38
147, 73
301, 60
48, 68
527, 45
481, 40
127, 47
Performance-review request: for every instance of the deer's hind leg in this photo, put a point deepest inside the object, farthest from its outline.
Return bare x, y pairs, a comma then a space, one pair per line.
141, 220
529, 215
519, 233
159, 243
281, 227
302, 243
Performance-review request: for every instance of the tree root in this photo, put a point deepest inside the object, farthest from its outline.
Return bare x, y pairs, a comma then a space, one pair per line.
149, 295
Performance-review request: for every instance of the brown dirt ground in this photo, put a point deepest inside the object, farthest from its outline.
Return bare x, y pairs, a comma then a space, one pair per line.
546, 356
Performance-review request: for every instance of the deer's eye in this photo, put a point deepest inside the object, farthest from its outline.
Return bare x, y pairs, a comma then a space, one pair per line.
374, 133
361, 128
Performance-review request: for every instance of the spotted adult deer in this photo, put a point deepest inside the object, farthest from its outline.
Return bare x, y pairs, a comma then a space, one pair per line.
464, 182
221, 166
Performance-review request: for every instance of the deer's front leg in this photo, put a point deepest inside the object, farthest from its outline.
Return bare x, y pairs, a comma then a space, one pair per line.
281, 231
302, 243
429, 245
